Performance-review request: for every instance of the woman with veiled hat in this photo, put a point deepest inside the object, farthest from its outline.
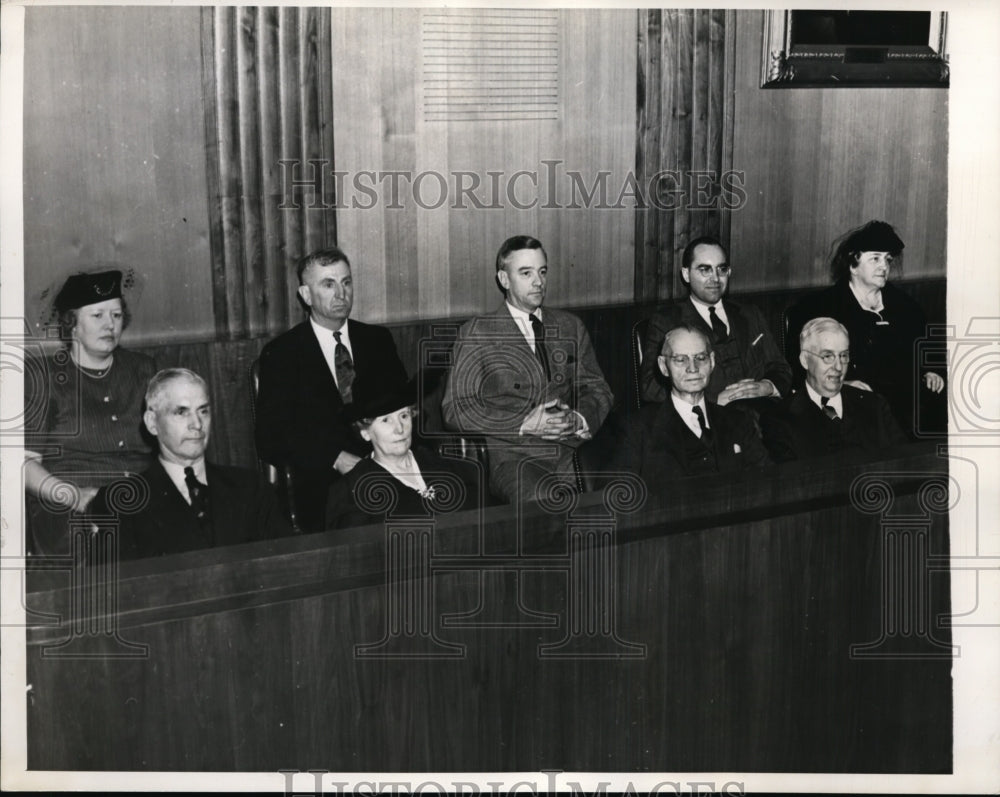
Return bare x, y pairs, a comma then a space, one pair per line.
883, 323
89, 405
397, 479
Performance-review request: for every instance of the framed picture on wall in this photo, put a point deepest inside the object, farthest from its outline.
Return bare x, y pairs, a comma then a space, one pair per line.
815, 48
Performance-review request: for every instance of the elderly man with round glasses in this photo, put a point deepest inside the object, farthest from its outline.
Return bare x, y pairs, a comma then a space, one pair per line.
688, 434
827, 416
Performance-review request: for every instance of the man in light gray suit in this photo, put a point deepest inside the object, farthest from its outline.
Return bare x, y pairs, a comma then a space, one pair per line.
525, 378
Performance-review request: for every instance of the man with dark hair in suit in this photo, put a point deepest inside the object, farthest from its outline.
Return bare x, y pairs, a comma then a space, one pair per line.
192, 503
828, 416
307, 376
688, 434
748, 364
526, 378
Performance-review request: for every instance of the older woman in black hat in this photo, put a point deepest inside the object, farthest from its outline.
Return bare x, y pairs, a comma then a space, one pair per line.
90, 408
882, 321
397, 479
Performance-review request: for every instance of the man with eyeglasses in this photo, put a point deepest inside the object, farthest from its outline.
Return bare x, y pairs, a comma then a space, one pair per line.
749, 366
688, 434
827, 416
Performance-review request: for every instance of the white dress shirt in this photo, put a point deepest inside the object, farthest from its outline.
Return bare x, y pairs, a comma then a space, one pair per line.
837, 402
523, 321
176, 474
720, 312
686, 411
328, 344
702, 309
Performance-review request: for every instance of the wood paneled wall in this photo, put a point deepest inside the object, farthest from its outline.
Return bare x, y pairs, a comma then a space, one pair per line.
684, 132
114, 159
414, 261
119, 163
268, 123
818, 162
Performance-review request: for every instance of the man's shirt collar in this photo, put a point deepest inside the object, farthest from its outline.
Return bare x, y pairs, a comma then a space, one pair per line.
702, 309
523, 321
837, 402
176, 473
686, 410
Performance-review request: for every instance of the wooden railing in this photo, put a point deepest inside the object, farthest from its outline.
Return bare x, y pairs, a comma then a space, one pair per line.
769, 623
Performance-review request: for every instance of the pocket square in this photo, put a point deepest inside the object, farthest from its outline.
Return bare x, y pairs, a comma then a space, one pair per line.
737, 449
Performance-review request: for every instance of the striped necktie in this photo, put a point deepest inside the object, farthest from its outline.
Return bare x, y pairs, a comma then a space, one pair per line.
829, 411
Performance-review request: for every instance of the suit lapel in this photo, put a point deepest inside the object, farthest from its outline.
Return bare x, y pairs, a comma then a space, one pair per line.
854, 416
172, 515
228, 512
314, 362
722, 439
690, 316
812, 416
359, 348
509, 328
669, 431
716, 428
738, 325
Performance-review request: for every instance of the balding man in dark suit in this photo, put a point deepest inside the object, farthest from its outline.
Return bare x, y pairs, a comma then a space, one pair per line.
688, 435
826, 416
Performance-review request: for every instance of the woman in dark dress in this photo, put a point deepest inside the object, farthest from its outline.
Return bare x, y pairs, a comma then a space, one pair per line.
88, 406
884, 325
398, 479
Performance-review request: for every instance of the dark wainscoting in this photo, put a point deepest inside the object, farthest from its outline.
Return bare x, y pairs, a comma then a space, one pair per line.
226, 364
715, 635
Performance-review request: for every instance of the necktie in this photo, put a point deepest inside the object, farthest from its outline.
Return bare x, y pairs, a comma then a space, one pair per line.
718, 326
540, 352
344, 367
198, 493
701, 421
829, 411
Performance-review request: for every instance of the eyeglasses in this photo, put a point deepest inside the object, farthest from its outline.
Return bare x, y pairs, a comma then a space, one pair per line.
830, 357
684, 360
707, 271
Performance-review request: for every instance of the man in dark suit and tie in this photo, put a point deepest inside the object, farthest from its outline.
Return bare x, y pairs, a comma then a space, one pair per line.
192, 503
688, 434
826, 416
525, 378
307, 376
749, 367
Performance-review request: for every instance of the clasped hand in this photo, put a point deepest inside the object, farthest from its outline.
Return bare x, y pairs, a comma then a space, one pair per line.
744, 389
554, 420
